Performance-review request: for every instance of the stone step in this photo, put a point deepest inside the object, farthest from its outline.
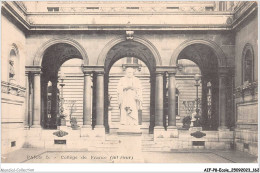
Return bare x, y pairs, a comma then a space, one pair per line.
125, 133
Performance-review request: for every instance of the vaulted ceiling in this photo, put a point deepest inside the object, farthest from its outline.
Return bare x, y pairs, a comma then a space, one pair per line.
55, 56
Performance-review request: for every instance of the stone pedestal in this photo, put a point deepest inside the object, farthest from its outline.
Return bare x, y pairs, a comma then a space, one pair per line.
63, 128
99, 131
194, 129
172, 132
159, 132
223, 128
86, 131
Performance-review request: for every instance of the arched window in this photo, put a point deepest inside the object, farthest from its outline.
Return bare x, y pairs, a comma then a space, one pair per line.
131, 60
13, 63
248, 64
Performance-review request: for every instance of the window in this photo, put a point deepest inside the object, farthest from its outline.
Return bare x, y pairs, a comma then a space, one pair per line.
209, 8
92, 8
173, 8
222, 5
53, 9
132, 8
131, 60
248, 64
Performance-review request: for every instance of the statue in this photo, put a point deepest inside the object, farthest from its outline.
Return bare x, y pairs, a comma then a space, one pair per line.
129, 97
11, 69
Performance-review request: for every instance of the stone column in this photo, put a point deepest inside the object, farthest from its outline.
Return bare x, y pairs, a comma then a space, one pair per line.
159, 101
171, 100
100, 100
222, 98
31, 102
54, 105
87, 100
36, 123
27, 100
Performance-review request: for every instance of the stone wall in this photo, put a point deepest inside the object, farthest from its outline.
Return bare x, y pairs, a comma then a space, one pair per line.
12, 91
246, 101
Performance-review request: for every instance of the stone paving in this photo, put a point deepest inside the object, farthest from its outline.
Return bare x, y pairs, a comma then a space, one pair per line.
179, 156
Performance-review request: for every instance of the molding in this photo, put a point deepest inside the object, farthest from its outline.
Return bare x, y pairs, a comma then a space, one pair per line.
91, 69
33, 69
12, 89
124, 27
37, 61
246, 89
9, 10
247, 9
169, 69
232, 23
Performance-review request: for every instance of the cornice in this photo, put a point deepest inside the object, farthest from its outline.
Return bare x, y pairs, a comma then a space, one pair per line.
9, 10
94, 27
247, 10
235, 19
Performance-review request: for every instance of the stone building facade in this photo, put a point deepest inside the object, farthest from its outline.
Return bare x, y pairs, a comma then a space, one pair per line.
220, 37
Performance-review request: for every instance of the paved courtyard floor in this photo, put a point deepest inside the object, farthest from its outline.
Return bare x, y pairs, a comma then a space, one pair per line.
178, 156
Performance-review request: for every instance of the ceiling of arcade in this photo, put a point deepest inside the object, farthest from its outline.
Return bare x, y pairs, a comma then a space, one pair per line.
130, 49
202, 55
55, 56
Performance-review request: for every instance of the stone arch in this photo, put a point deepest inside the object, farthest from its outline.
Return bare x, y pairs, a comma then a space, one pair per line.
39, 55
102, 56
221, 58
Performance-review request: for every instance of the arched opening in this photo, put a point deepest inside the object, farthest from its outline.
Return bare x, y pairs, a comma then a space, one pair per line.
60, 63
131, 52
206, 61
118, 99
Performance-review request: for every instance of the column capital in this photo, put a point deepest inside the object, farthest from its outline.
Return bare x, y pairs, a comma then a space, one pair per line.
159, 72
172, 72
91, 69
223, 71
168, 69
33, 69
87, 73
99, 73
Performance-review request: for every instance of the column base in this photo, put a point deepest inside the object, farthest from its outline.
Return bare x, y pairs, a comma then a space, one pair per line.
223, 128
159, 132
87, 126
26, 127
99, 131
35, 132
172, 132
36, 126
86, 131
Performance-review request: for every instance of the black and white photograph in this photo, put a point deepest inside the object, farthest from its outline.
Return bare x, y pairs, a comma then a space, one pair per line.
130, 82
